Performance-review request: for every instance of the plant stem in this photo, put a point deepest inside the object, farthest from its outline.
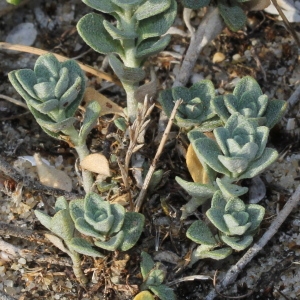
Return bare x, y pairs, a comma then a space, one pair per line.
77, 268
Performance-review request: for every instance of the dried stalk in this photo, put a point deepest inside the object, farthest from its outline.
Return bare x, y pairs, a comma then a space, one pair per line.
7, 169
151, 170
234, 271
37, 51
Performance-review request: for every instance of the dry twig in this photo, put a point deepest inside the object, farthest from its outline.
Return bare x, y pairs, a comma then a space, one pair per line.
151, 170
234, 271
7, 169
14, 101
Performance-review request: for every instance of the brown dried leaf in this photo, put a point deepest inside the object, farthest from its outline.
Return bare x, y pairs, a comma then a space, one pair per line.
52, 177
195, 167
107, 106
96, 163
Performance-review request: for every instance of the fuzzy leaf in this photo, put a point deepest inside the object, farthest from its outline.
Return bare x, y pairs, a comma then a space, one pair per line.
43, 218
151, 8
155, 277
85, 228
233, 15
157, 25
256, 214
218, 254
113, 243
132, 227
126, 73
57, 242
275, 111
56, 127
61, 203
91, 29
215, 215
247, 84
191, 207
195, 4
147, 264
118, 211
200, 233
163, 292
44, 107
83, 247
126, 4
76, 207
91, 116
118, 34
101, 5
152, 46
62, 225
237, 243
230, 190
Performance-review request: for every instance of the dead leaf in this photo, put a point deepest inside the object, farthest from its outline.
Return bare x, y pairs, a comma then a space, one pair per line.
107, 106
195, 167
167, 256
145, 295
57, 242
52, 177
96, 163
122, 199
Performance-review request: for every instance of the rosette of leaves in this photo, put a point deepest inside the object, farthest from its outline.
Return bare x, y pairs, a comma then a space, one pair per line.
239, 150
109, 224
248, 100
210, 245
136, 36
153, 277
52, 91
231, 11
235, 220
62, 225
196, 108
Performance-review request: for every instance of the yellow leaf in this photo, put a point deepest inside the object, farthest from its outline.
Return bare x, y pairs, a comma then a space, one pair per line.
195, 167
107, 106
96, 163
145, 295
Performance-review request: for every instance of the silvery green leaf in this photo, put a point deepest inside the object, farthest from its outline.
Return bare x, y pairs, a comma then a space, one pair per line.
101, 5
91, 29
76, 207
83, 247
218, 201
90, 119
222, 135
163, 292
261, 139
200, 233
248, 151
126, 73
237, 243
235, 165
126, 4
44, 107
233, 225
61, 203
215, 215
197, 190
155, 277
47, 66
217, 254
45, 90
231, 103
230, 190
121, 124
147, 264
155, 180
241, 216
275, 111
62, 225
219, 108
151, 8
152, 46
71, 94
208, 151
256, 214
85, 228
157, 25
195, 134
113, 243
118, 34
43, 218
57, 242
191, 207
195, 4
166, 100
234, 205
132, 227
57, 127
62, 83
247, 84
210, 124
257, 166
118, 211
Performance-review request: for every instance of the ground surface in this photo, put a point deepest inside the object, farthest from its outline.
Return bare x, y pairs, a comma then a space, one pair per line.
264, 50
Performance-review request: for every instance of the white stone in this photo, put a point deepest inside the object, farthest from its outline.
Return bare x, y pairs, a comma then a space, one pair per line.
24, 34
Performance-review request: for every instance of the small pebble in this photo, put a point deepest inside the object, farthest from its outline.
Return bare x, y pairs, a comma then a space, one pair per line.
218, 57
24, 34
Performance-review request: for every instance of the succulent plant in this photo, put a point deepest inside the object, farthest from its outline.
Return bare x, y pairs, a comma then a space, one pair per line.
235, 220
210, 245
62, 225
196, 108
153, 276
109, 224
239, 150
248, 100
136, 36
231, 11
52, 91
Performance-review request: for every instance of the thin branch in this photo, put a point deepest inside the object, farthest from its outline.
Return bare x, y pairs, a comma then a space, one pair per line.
234, 271
37, 51
151, 170
209, 28
14, 101
7, 169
